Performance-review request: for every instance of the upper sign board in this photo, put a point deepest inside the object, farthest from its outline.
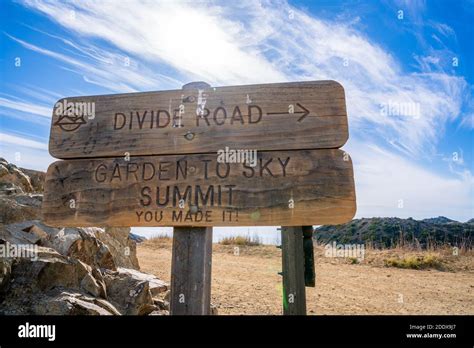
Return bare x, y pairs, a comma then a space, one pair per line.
280, 116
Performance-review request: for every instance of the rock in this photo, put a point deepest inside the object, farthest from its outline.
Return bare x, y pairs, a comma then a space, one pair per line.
11, 174
21, 233
18, 202
161, 304
92, 245
213, 310
66, 271
58, 302
122, 247
94, 287
37, 179
167, 295
19, 207
156, 285
129, 291
68, 303
82, 243
47, 282
79, 243
5, 272
35, 282
52, 270
9, 189
160, 312
30, 200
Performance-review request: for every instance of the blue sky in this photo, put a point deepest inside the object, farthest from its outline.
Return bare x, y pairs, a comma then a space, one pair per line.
412, 53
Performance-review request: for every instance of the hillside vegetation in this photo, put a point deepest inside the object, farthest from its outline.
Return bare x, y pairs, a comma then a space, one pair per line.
396, 232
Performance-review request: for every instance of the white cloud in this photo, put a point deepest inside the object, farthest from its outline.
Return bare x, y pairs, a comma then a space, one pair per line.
384, 180
22, 141
24, 106
113, 71
444, 29
24, 151
468, 121
193, 37
40, 94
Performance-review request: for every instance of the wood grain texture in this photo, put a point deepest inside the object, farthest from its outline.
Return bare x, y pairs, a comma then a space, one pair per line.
290, 188
294, 292
191, 271
192, 121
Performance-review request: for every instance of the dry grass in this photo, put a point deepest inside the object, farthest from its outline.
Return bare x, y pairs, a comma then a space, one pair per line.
158, 241
416, 262
244, 249
241, 240
441, 258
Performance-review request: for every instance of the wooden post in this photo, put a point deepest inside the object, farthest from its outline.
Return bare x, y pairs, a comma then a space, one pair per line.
294, 295
309, 272
191, 271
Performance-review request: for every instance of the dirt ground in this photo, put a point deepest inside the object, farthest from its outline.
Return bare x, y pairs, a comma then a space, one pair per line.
248, 283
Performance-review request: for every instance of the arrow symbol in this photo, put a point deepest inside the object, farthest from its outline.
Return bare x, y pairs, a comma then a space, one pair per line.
304, 113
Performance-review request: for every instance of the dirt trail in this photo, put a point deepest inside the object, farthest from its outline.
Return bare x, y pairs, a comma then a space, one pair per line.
248, 283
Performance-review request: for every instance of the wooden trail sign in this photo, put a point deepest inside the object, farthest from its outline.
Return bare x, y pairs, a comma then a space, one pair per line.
289, 188
280, 116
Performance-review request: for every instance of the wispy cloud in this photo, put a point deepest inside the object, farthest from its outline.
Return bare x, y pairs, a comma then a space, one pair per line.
25, 106
113, 71
22, 141
41, 95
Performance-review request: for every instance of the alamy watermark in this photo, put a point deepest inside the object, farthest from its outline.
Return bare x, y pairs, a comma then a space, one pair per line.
28, 251
394, 108
75, 109
344, 250
228, 155
28, 330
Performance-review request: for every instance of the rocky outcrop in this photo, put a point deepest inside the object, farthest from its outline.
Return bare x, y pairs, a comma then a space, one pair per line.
16, 206
18, 199
36, 282
36, 179
65, 271
122, 247
13, 178
132, 291
78, 243
45, 270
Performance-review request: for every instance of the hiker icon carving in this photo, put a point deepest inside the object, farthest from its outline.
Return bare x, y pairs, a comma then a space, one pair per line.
71, 114
70, 123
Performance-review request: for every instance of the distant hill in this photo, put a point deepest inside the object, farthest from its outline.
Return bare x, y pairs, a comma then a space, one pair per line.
439, 220
389, 232
136, 238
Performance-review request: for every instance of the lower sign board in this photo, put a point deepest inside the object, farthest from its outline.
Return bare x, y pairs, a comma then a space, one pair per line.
289, 188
